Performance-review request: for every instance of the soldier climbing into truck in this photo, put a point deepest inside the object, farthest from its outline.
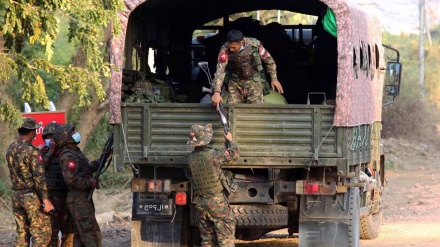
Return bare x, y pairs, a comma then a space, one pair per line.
246, 80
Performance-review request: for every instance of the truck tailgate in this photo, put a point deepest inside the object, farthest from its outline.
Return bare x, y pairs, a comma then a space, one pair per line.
157, 133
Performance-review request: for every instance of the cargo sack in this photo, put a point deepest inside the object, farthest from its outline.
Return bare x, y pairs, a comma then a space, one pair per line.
145, 97
151, 91
163, 89
274, 98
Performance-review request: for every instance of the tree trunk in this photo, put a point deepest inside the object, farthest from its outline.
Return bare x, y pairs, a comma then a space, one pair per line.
93, 113
8, 135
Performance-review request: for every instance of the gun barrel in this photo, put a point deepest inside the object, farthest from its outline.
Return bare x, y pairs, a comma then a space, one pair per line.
223, 118
101, 163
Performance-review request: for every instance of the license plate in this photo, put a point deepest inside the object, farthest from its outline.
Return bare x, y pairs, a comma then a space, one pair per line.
155, 207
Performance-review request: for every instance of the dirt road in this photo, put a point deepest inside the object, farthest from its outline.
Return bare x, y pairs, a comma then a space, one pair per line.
411, 213
411, 205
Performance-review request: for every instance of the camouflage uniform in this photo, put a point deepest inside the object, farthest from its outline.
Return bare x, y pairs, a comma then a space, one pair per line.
245, 82
214, 217
28, 189
77, 171
57, 189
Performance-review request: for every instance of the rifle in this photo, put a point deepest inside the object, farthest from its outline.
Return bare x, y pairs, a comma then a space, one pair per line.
102, 167
223, 118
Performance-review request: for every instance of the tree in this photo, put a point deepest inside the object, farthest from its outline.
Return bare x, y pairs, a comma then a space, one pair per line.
36, 23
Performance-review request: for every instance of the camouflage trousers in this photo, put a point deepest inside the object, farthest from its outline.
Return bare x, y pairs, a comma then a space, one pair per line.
246, 91
30, 220
86, 229
60, 220
215, 221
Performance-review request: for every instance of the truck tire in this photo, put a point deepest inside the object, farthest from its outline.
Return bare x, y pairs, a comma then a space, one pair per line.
370, 226
270, 216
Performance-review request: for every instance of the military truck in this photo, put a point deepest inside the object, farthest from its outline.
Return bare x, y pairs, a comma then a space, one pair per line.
314, 166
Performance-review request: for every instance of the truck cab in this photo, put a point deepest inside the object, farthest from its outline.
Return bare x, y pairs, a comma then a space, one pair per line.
311, 160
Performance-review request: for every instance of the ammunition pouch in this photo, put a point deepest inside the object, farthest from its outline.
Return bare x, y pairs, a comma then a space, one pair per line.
261, 71
257, 59
227, 180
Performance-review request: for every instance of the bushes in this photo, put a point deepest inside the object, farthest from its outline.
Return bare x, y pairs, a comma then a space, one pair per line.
411, 119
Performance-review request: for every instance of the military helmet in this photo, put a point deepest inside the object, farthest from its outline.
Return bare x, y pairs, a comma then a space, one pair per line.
200, 135
50, 129
63, 134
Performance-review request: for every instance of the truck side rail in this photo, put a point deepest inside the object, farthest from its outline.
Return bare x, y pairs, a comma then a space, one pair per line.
275, 135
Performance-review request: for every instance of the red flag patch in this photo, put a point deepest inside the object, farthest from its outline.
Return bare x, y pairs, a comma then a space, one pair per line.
223, 57
39, 158
262, 51
72, 166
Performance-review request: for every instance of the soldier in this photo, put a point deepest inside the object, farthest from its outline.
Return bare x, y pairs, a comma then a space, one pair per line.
57, 189
247, 82
29, 191
214, 217
77, 172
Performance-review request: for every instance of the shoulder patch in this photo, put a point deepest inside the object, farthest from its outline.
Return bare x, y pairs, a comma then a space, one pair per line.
227, 153
223, 57
39, 158
71, 164
262, 51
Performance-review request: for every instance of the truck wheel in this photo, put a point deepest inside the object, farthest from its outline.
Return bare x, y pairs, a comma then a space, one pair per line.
370, 224
272, 216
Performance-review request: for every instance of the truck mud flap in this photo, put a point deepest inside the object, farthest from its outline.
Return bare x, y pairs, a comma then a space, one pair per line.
330, 222
156, 233
319, 234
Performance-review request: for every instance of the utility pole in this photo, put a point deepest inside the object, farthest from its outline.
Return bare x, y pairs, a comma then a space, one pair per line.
421, 47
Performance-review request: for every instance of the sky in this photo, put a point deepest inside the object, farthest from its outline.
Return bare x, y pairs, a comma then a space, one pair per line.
401, 16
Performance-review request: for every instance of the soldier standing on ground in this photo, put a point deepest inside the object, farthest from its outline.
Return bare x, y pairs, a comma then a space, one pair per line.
214, 217
77, 172
57, 189
243, 56
29, 191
